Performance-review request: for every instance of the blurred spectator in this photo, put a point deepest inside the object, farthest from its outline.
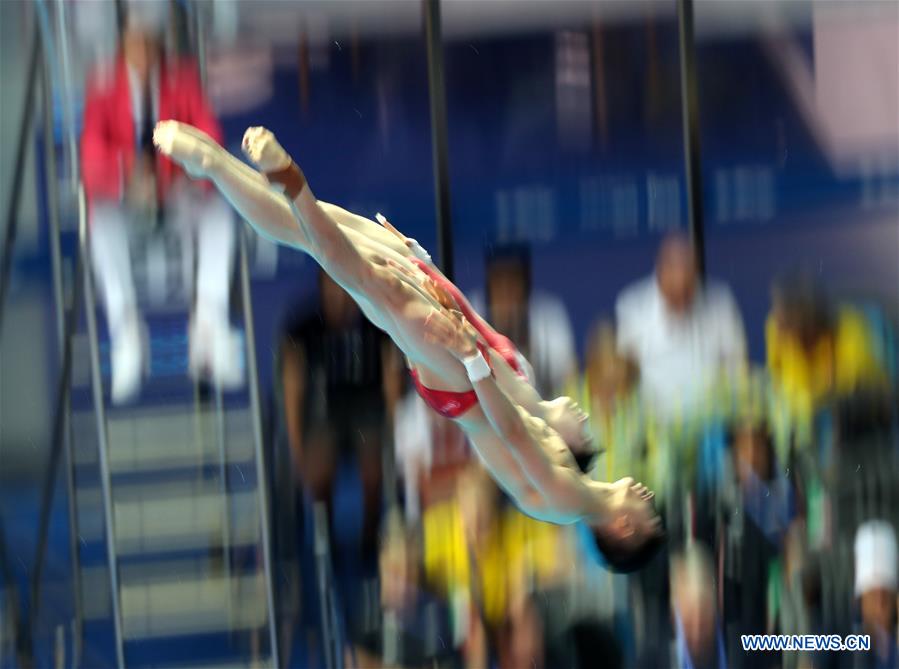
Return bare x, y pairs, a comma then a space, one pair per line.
817, 350
130, 186
487, 556
797, 603
877, 590
412, 442
520, 641
700, 641
607, 390
765, 491
400, 563
755, 529
537, 322
417, 626
335, 398
683, 334
431, 451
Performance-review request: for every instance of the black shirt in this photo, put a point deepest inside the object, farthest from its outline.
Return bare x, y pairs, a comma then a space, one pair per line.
343, 374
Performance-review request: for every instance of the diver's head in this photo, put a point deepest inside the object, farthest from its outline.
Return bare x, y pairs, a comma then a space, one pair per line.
628, 544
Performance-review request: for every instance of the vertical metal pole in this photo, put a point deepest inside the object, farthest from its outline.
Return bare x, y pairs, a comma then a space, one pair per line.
226, 500
59, 423
199, 19
261, 470
690, 114
439, 148
66, 84
50, 178
102, 438
22, 646
322, 562
15, 194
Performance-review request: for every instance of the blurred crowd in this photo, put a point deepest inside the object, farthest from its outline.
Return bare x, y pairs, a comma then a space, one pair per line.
778, 485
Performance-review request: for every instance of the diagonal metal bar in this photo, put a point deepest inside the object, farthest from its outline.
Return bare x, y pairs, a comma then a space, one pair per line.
15, 194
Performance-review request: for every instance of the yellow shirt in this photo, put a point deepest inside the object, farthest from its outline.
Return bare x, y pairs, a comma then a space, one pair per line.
837, 364
519, 550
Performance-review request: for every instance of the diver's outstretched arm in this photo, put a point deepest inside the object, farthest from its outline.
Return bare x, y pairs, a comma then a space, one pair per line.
564, 494
563, 491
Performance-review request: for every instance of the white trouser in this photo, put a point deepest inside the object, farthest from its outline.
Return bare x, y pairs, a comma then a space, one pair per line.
208, 217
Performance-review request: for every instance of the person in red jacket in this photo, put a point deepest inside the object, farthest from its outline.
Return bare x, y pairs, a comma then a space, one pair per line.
128, 183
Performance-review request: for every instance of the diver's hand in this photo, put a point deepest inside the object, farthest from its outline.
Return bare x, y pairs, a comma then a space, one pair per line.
450, 330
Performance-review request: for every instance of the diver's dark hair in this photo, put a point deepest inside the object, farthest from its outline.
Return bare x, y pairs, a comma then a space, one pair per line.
629, 560
585, 461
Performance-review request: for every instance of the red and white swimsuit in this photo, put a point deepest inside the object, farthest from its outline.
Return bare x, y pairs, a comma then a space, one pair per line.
452, 404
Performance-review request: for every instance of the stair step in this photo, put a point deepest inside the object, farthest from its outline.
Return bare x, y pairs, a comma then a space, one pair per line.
192, 567
170, 518
178, 607
166, 438
259, 664
199, 651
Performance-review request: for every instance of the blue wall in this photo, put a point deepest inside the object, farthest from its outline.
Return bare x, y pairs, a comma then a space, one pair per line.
594, 212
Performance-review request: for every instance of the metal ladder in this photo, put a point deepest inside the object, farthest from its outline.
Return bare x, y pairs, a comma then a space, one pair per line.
182, 492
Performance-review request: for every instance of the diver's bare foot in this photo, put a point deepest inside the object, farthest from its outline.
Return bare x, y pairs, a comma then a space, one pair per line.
260, 146
263, 149
191, 148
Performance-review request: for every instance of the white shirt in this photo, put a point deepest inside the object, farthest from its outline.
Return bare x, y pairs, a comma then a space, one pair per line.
679, 355
412, 442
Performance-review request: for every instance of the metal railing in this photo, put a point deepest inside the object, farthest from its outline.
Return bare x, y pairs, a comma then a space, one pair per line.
67, 323
261, 469
36, 66
262, 491
68, 319
52, 199
100, 414
15, 196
